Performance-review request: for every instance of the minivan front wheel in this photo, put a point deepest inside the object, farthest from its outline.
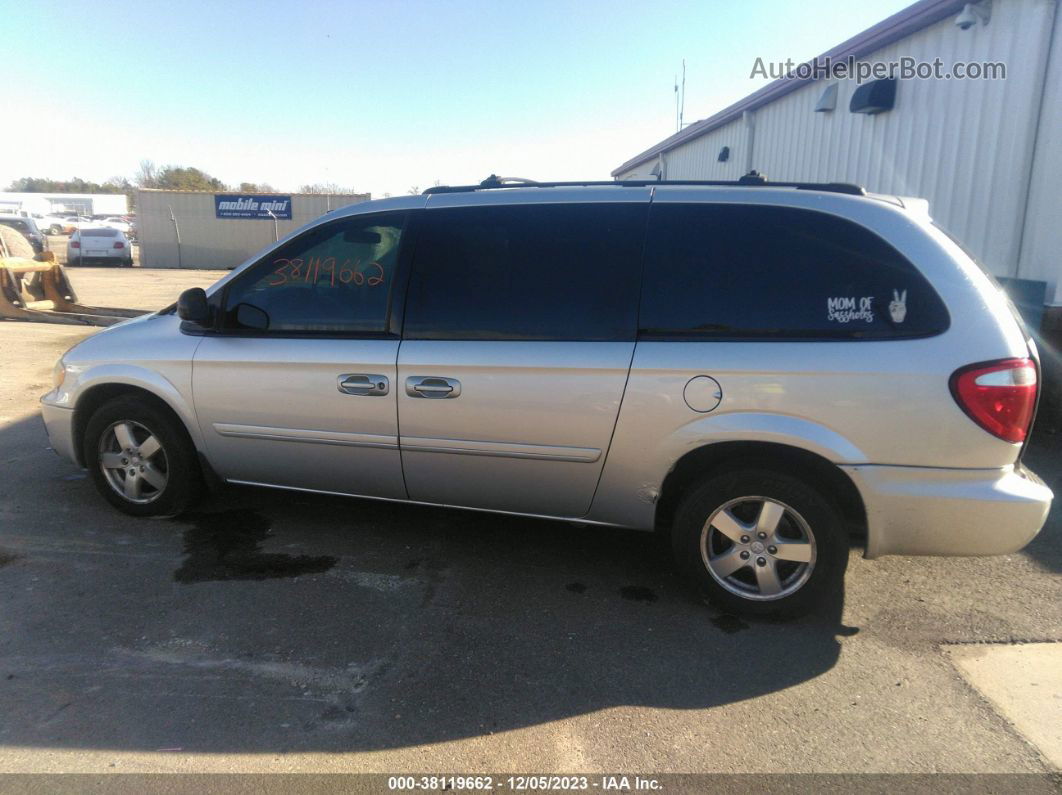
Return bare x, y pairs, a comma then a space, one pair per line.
760, 542
140, 459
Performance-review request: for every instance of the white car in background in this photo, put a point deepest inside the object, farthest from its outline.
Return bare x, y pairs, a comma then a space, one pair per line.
50, 224
72, 223
115, 222
100, 244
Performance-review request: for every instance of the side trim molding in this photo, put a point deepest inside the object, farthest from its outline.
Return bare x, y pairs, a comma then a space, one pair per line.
305, 436
580, 455
541, 452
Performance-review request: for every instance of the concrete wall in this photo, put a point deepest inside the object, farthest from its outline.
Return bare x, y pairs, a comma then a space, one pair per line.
211, 242
981, 151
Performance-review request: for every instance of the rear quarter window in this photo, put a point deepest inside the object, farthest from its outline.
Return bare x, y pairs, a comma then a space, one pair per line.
756, 272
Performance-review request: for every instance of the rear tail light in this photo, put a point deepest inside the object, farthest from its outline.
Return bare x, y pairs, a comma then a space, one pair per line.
999, 396
74, 244
119, 244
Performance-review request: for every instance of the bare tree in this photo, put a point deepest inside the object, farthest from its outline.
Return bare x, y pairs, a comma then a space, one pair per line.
325, 187
147, 175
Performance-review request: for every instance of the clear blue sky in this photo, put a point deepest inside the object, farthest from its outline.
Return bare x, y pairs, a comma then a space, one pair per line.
382, 96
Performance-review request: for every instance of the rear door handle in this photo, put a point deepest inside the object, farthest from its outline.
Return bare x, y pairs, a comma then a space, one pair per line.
431, 386
365, 384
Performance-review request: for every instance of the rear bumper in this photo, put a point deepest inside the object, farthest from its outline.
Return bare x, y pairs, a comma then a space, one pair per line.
924, 511
59, 422
101, 258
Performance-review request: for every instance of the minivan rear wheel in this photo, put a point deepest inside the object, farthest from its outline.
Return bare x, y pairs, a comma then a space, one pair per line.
760, 542
140, 458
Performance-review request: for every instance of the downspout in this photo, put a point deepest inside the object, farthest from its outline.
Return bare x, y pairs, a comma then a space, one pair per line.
750, 137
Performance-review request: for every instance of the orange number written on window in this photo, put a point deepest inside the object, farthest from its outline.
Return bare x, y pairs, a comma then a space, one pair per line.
317, 270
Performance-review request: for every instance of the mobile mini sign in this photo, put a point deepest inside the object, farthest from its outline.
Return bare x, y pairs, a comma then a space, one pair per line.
230, 205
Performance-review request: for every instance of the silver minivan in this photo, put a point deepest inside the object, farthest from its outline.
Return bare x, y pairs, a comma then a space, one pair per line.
761, 371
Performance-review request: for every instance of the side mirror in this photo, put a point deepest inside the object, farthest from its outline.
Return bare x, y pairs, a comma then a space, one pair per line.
192, 306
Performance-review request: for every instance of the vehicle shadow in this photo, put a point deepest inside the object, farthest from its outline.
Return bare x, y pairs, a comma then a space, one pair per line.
271, 621
1044, 457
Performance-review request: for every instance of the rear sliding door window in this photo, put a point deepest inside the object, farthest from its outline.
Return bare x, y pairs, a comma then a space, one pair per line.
749, 272
527, 272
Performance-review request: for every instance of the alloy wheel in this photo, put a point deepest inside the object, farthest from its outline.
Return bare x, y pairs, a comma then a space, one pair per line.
758, 548
133, 461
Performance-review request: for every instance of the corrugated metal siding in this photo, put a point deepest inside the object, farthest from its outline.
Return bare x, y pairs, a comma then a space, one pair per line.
210, 242
963, 144
700, 157
966, 145
1041, 251
643, 171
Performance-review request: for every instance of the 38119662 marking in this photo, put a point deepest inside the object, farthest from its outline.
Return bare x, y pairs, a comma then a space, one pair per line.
318, 270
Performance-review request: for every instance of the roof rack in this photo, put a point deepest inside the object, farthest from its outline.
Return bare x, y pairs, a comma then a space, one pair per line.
752, 179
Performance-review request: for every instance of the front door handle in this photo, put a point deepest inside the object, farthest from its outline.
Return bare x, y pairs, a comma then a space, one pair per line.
363, 384
431, 386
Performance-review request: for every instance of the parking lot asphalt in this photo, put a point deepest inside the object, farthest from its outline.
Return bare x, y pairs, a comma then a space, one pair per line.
271, 631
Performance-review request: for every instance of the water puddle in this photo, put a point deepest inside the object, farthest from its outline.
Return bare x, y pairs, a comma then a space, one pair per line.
225, 546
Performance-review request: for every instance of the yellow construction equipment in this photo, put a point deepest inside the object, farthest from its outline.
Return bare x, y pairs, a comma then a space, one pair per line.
38, 290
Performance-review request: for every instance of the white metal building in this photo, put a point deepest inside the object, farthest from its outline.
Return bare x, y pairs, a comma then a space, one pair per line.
987, 154
198, 229
48, 203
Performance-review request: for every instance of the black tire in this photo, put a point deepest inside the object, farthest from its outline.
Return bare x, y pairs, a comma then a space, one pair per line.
17, 244
74, 261
177, 463
806, 517
55, 229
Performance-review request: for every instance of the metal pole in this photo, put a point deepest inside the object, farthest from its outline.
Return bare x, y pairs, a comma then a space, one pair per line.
677, 123
682, 105
176, 229
276, 233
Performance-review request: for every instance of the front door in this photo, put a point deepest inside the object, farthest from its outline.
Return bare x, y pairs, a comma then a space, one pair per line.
297, 387
519, 331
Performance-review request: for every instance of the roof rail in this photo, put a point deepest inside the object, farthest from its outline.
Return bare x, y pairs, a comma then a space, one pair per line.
752, 179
